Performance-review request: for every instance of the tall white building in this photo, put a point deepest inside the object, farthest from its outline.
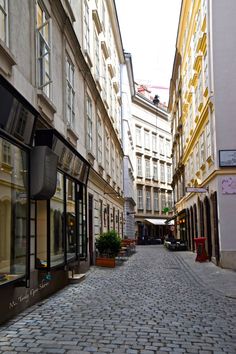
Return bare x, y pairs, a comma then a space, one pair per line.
61, 157
152, 169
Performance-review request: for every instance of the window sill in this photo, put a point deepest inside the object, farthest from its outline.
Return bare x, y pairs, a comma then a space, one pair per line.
71, 135
12, 279
46, 107
91, 157
7, 59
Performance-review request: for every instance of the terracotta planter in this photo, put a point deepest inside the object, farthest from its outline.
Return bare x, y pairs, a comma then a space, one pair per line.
106, 262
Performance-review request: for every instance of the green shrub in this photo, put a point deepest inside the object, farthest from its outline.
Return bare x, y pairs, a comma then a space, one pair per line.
108, 244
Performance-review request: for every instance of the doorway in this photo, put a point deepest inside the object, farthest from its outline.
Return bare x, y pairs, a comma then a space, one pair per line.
90, 229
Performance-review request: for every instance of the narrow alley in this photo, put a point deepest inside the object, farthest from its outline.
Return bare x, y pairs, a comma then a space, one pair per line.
153, 303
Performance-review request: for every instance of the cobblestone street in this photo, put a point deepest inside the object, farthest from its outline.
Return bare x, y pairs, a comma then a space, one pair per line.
151, 304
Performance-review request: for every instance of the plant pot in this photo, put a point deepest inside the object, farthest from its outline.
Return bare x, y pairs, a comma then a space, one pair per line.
106, 262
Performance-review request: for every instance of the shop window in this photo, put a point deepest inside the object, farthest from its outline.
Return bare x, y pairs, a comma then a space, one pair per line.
13, 216
82, 232
57, 246
70, 219
65, 238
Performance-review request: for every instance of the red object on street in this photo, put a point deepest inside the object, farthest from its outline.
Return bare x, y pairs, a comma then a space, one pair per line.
201, 251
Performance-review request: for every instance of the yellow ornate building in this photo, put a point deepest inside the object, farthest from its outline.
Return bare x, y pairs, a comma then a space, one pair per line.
203, 145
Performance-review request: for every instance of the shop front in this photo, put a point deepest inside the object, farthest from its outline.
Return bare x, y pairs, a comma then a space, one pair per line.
43, 220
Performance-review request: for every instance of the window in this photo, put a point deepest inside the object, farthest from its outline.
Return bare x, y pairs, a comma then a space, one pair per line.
163, 200
86, 28
96, 55
162, 167
168, 149
89, 123
56, 223
139, 166
70, 93
146, 140
99, 140
138, 136
208, 140
154, 142
148, 200
14, 208
147, 169
155, 171
169, 197
44, 50
205, 71
169, 177
6, 152
112, 161
140, 198
161, 145
107, 154
3, 21
70, 219
118, 168
156, 201
197, 158
202, 149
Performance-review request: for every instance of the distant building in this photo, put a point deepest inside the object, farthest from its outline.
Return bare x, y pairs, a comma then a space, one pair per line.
152, 169
202, 106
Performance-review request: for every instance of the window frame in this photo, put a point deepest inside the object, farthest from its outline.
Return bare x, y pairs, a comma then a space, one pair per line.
44, 85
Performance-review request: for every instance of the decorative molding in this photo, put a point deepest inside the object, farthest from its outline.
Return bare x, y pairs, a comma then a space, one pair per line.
7, 59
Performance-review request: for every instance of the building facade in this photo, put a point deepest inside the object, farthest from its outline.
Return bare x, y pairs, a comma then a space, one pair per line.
128, 146
61, 157
201, 107
152, 169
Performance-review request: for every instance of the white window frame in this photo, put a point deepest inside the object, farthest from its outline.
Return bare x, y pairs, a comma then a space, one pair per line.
86, 27
155, 201
107, 153
147, 168
146, 140
43, 40
70, 93
162, 172
99, 140
208, 140
96, 55
154, 142
140, 198
139, 166
138, 136
89, 120
4, 25
155, 170
169, 176
148, 200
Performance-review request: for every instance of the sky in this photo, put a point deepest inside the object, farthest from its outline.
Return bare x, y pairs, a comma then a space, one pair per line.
149, 31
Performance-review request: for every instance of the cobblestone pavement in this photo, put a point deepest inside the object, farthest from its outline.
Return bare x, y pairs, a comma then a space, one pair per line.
150, 304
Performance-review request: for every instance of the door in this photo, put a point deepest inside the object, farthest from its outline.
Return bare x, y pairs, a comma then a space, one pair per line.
90, 220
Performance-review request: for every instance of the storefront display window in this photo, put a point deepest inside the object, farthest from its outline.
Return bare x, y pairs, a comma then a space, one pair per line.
41, 244
13, 211
70, 219
57, 246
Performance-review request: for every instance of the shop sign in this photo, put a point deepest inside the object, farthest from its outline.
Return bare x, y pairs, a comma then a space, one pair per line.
196, 190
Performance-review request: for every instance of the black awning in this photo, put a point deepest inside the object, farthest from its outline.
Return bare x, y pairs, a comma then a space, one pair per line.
17, 117
69, 159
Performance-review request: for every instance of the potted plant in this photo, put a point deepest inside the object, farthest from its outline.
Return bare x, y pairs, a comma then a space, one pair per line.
108, 245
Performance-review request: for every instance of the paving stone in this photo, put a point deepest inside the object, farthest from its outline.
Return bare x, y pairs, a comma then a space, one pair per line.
154, 303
